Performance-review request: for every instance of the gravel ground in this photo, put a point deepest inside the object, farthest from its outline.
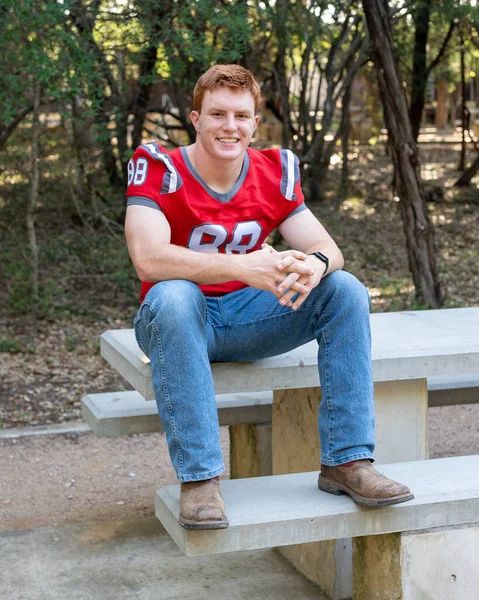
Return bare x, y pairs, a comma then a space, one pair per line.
54, 480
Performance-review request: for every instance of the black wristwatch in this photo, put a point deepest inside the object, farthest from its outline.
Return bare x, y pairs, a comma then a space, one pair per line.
322, 257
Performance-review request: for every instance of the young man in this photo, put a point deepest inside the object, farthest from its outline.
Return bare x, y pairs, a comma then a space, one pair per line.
197, 220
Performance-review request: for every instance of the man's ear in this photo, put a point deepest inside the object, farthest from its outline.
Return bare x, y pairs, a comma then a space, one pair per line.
256, 121
194, 116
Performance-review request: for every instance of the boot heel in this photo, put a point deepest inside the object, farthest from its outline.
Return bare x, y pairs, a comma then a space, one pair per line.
330, 488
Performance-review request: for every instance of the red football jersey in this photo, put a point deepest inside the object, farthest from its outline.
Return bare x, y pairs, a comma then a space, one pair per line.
267, 192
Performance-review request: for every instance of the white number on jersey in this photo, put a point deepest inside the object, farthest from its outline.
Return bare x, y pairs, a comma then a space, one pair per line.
131, 171
245, 237
209, 237
140, 171
137, 175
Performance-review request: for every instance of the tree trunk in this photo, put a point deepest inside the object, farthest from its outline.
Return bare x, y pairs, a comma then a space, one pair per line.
85, 24
142, 94
183, 117
279, 70
465, 178
462, 157
419, 71
147, 70
341, 68
281, 80
82, 141
442, 107
109, 160
346, 127
417, 226
453, 109
33, 199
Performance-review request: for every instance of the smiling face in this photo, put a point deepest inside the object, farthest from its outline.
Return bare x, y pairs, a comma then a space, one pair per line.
225, 124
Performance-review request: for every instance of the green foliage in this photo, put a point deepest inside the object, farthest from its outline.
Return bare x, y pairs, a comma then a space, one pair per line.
17, 272
442, 13
9, 346
87, 56
80, 269
70, 343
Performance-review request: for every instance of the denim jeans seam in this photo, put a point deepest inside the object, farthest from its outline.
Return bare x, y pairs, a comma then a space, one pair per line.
137, 337
205, 312
224, 325
169, 406
328, 392
223, 345
327, 387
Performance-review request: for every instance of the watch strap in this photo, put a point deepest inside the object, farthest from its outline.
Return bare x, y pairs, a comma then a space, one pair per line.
323, 258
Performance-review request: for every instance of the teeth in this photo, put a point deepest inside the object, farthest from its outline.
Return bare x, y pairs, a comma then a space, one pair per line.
228, 140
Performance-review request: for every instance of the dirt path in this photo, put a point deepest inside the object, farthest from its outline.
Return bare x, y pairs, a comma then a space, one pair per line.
77, 479
54, 480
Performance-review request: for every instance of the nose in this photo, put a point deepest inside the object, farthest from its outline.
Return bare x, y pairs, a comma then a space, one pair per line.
230, 123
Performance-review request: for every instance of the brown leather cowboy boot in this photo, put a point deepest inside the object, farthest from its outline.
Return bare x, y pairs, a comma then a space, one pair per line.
201, 505
363, 483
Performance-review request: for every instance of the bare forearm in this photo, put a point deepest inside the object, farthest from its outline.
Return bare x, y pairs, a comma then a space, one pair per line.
260, 269
175, 262
304, 232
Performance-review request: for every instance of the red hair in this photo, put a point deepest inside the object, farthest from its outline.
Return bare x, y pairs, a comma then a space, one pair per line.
231, 76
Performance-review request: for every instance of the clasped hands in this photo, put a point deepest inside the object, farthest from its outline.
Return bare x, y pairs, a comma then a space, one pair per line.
286, 274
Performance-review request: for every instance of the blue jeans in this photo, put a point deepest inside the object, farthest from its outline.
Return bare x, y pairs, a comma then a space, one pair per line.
182, 332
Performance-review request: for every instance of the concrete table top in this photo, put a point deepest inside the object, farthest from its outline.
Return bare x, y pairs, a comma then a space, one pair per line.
406, 345
289, 509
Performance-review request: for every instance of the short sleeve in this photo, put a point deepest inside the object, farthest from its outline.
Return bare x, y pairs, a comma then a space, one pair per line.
151, 173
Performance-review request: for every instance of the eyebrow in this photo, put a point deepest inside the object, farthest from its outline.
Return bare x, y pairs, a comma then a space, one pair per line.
246, 111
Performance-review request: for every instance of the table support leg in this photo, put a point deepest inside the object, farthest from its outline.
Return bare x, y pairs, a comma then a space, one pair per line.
439, 563
401, 433
250, 451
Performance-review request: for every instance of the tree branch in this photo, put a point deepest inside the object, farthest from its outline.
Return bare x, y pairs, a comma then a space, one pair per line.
7, 130
442, 50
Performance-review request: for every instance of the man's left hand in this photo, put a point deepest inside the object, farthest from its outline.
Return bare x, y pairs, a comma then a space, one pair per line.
308, 273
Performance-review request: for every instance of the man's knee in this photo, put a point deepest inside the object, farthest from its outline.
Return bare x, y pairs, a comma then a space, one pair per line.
348, 288
175, 300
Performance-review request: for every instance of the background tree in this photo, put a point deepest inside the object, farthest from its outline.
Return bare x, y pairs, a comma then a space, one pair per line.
421, 13
472, 32
314, 49
417, 226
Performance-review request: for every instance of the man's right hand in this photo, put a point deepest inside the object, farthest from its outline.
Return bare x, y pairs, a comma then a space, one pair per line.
265, 269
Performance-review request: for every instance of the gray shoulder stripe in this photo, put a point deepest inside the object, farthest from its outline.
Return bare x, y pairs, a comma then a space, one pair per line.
290, 174
297, 210
172, 180
140, 201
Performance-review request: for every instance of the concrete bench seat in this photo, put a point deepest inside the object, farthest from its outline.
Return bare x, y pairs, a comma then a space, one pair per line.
116, 414
455, 389
429, 543
290, 509
125, 413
